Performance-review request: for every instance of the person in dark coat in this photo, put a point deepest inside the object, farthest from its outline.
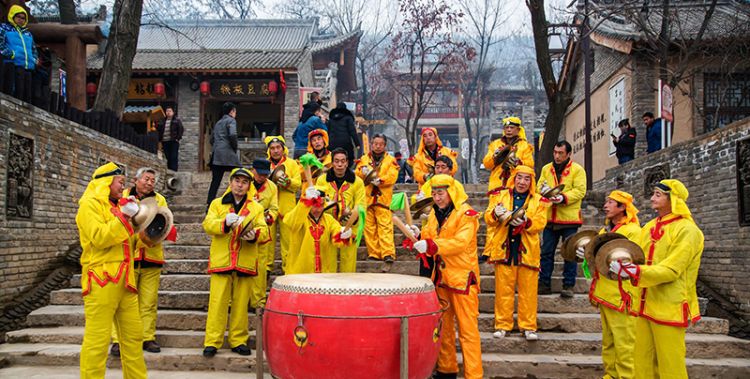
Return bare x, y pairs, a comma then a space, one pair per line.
625, 143
308, 110
316, 121
224, 149
170, 133
653, 132
341, 131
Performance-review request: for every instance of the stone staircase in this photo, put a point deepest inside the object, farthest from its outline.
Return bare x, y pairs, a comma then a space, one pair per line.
569, 344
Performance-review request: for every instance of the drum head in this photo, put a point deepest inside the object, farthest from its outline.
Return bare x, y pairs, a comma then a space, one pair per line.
354, 284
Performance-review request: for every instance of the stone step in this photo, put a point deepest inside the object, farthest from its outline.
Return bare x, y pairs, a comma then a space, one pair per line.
698, 345
73, 372
72, 315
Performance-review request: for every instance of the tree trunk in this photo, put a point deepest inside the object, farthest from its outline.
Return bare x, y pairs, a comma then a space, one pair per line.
67, 12
118, 58
552, 127
363, 87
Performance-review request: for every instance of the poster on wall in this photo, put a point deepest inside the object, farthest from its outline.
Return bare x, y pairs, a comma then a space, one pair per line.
616, 110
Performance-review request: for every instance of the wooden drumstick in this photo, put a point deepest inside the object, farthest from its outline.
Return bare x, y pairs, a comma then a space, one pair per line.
404, 229
353, 217
407, 211
308, 177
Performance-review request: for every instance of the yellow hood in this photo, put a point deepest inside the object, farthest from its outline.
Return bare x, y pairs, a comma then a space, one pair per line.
631, 212
457, 194
315, 133
516, 121
272, 139
678, 196
421, 148
14, 10
525, 170
98, 187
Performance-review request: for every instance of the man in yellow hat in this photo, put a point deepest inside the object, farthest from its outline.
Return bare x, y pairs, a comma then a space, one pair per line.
148, 261
379, 222
265, 193
563, 217
513, 247
514, 136
614, 299
450, 238
287, 185
430, 148
348, 192
236, 223
316, 235
108, 280
667, 302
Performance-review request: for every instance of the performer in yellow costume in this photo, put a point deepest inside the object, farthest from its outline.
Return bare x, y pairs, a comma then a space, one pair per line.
348, 192
667, 302
514, 248
107, 275
287, 187
450, 238
523, 154
379, 222
443, 165
563, 217
236, 224
147, 265
317, 143
315, 235
264, 192
430, 148
618, 326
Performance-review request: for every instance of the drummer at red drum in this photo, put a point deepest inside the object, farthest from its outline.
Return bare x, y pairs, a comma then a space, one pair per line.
450, 237
235, 223
316, 235
618, 326
667, 302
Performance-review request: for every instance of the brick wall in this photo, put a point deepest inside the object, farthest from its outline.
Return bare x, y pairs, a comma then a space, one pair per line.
291, 108
65, 155
189, 112
707, 165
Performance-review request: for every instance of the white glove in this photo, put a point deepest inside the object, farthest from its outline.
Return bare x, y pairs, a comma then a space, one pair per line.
231, 218
421, 246
376, 182
415, 230
366, 170
544, 188
580, 252
625, 270
500, 210
518, 221
420, 196
557, 199
311, 193
346, 233
130, 208
249, 235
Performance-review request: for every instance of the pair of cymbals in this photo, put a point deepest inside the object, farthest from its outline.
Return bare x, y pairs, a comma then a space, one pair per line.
422, 207
552, 192
152, 223
572, 243
602, 249
372, 175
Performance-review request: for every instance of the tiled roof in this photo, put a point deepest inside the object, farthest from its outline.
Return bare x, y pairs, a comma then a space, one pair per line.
141, 108
210, 60
321, 44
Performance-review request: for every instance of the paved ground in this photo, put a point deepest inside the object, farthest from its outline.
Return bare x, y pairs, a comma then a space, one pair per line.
67, 372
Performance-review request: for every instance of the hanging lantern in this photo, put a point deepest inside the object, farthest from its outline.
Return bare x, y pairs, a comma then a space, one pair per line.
205, 88
159, 89
91, 89
273, 87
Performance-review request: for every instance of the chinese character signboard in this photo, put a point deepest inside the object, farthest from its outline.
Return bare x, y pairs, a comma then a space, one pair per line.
616, 111
240, 88
666, 102
143, 89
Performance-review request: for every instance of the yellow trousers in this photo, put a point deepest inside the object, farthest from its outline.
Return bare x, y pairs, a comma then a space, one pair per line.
259, 284
226, 287
661, 351
147, 281
463, 309
285, 235
101, 307
379, 232
507, 278
268, 249
618, 341
348, 257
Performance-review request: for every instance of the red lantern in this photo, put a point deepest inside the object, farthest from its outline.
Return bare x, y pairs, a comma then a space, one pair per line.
273, 87
205, 88
159, 89
91, 89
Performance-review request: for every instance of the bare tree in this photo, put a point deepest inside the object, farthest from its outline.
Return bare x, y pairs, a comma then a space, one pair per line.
298, 8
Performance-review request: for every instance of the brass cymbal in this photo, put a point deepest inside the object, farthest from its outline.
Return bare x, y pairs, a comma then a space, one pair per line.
593, 246
570, 245
623, 250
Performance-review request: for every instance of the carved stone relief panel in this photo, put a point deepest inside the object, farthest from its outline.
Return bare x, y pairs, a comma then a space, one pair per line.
19, 185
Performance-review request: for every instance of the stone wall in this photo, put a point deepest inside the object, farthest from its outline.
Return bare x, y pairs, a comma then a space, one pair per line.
291, 108
708, 167
189, 112
45, 164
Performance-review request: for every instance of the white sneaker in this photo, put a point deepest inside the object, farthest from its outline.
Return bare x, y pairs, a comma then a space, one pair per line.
499, 334
530, 335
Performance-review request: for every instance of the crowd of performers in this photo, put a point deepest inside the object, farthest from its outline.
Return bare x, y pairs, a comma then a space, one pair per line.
321, 220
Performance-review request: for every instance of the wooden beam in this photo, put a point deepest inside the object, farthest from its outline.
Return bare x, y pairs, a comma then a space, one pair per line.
53, 32
75, 67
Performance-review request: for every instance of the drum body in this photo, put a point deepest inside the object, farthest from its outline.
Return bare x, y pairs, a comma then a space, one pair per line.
349, 326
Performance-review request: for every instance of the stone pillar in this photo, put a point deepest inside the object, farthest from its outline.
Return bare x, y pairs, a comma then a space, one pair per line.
291, 108
643, 99
188, 110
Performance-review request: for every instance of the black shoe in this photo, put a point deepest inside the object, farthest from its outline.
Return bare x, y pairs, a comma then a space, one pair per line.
242, 350
209, 351
483, 259
388, 259
115, 350
441, 375
567, 292
544, 290
151, 347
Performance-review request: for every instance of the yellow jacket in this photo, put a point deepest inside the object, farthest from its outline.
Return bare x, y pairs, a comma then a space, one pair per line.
574, 177
313, 245
154, 254
673, 246
497, 246
351, 193
267, 197
456, 264
287, 196
605, 291
498, 176
228, 251
421, 162
388, 173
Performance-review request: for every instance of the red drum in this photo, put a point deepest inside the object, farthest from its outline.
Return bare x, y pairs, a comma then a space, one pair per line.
349, 326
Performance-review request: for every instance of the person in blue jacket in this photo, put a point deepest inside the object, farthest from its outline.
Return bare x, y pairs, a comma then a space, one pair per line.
316, 121
653, 132
16, 42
